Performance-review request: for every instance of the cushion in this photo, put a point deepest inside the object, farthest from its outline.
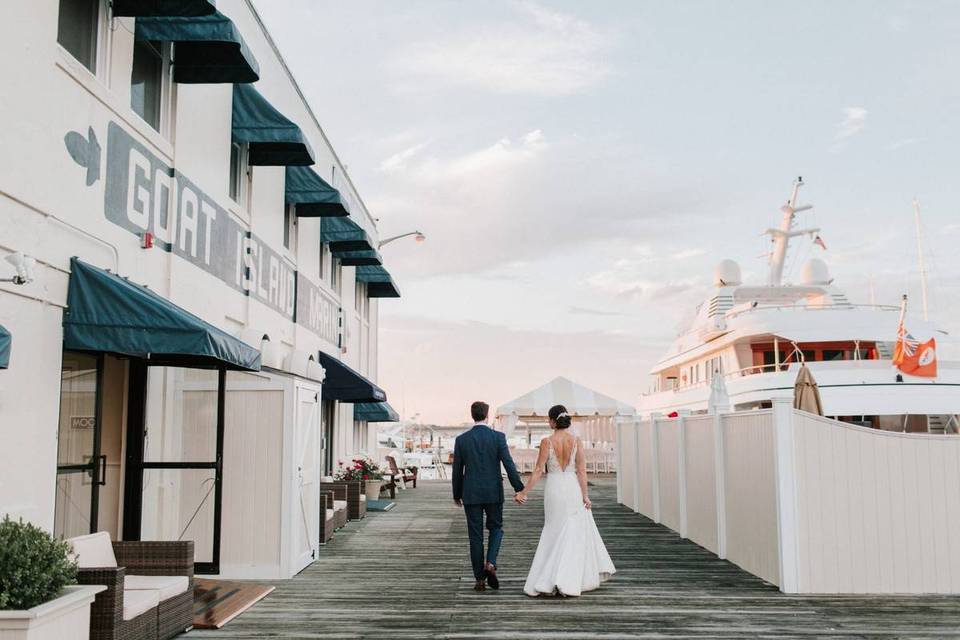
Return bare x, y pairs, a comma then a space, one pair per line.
339, 505
93, 550
137, 602
166, 586
330, 514
363, 497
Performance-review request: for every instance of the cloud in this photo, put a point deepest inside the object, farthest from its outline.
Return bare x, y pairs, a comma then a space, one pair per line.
585, 311
400, 159
541, 52
854, 121
905, 142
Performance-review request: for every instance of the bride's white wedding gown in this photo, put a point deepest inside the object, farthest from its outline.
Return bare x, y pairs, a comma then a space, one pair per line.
571, 556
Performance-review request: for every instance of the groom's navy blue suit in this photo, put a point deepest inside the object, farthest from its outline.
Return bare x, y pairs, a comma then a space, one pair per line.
477, 455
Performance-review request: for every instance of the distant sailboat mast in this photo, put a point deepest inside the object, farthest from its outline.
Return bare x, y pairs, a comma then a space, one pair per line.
781, 237
923, 269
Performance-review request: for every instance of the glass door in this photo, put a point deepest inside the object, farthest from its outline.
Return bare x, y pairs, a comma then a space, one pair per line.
177, 480
80, 467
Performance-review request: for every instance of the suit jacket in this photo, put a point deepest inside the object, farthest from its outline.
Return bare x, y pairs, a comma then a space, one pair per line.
477, 455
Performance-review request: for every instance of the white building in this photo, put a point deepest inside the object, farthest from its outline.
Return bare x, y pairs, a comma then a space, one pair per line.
178, 153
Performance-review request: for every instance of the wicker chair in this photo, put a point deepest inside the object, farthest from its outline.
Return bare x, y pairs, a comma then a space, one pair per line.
149, 587
339, 508
351, 492
327, 516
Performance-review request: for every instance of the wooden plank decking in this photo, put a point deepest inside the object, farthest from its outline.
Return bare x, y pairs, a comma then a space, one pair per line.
406, 574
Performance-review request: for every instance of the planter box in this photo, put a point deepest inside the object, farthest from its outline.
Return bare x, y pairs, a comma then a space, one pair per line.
64, 618
373, 489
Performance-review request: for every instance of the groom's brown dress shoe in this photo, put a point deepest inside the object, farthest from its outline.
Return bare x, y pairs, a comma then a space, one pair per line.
480, 585
491, 573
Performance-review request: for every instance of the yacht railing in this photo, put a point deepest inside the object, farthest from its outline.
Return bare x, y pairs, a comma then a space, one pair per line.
803, 307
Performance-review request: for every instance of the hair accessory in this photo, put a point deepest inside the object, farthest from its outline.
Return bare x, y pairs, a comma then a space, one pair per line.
564, 415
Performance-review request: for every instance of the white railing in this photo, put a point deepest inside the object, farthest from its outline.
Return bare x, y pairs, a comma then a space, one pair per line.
809, 504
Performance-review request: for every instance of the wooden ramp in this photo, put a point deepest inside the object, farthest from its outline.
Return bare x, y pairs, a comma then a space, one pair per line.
406, 574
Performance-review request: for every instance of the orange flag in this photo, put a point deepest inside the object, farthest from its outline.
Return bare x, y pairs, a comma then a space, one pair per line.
913, 357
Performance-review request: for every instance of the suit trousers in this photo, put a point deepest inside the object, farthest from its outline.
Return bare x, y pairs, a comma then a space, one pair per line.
475, 517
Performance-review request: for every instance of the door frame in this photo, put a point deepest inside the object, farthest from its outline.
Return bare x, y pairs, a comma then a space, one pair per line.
96, 468
296, 503
136, 466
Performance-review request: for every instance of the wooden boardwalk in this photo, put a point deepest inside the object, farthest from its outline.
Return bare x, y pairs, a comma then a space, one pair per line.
406, 574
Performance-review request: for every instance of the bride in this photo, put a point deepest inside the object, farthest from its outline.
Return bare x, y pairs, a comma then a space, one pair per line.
571, 557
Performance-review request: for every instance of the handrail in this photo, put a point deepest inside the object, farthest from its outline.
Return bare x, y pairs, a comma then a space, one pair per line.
732, 313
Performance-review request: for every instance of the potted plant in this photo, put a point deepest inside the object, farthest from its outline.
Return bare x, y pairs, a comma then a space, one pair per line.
366, 470
39, 597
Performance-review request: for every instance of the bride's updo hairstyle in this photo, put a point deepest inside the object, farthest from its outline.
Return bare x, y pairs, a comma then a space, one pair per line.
558, 413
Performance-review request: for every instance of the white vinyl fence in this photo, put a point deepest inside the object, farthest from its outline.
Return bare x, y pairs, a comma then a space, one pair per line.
810, 504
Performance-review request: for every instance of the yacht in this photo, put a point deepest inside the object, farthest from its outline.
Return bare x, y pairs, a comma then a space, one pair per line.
755, 337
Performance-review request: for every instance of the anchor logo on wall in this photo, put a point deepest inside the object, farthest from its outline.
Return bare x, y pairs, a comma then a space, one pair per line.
85, 152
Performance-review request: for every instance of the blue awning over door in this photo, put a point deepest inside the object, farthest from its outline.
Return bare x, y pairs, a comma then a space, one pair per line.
150, 8
346, 385
272, 138
360, 258
110, 314
312, 195
379, 282
6, 342
343, 235
208, 49
375, 412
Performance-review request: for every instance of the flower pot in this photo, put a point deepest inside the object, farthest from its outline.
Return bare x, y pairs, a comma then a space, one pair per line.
373, 489
64, 618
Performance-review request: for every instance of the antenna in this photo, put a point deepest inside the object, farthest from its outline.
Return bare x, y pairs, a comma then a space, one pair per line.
781, 237
923, 269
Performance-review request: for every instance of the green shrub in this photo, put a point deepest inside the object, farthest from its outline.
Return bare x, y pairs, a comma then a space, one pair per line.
34, 566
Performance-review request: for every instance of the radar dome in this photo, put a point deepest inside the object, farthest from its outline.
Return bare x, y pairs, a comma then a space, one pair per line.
727, 274
815, 272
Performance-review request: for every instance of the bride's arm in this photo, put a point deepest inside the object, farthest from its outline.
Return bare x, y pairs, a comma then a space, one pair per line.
582, 474
537, 469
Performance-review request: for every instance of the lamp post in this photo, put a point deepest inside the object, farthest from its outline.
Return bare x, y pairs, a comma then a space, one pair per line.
418, 236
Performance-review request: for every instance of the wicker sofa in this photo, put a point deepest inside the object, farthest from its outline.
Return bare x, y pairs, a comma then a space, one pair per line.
149, 587
352, 493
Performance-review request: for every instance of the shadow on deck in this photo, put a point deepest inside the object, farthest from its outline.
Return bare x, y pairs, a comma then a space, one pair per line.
406, 574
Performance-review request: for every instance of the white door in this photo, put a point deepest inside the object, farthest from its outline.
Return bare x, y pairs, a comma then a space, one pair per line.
306, 507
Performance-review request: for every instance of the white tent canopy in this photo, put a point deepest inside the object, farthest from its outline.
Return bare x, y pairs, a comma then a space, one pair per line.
579, 401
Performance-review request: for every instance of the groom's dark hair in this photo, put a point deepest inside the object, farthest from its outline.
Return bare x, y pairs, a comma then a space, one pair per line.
479, 411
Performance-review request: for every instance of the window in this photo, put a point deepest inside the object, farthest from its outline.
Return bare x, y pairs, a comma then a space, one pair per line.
146, 81
360, 299
832, 354
323, 257
78, 26
289, 227
238, 159
335, 273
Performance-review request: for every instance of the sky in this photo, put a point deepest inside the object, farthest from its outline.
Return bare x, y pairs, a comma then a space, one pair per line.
579, 168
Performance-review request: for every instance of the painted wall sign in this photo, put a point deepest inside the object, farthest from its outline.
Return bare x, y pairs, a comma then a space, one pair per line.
143, 194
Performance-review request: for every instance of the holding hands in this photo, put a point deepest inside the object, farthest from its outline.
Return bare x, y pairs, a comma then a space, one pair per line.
521, 497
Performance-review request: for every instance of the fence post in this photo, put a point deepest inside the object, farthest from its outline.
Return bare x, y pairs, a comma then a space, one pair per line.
682, 469
621, 425
655, 465
720, 473
786, 489
636, 464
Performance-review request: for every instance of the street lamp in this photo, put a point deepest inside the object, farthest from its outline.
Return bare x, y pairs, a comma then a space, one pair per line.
418, 236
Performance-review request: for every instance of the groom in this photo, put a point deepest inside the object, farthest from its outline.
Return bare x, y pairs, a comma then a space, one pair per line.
478, 488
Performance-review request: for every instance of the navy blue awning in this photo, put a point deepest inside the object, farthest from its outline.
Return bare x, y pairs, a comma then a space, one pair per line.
110, 314
346, 385
6, 341
145, 8
375, 412
343, 235
272, 138
360, 258
379, 282
209, 49
312, 195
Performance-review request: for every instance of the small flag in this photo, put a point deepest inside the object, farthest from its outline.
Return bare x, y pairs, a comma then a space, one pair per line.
819, 242
913, 357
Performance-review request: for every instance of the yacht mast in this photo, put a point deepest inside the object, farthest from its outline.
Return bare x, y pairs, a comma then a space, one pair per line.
781, 237
923, 269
